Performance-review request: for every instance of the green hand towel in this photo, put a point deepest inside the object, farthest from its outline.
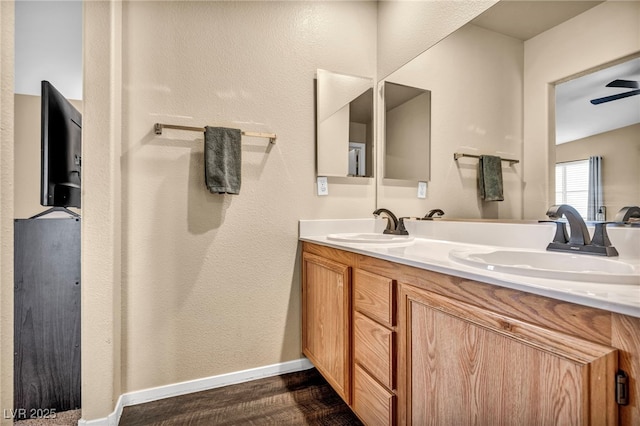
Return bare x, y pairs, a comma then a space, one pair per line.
222, 159
490, 178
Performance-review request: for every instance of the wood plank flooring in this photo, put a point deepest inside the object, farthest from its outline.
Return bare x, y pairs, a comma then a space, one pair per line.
300, 398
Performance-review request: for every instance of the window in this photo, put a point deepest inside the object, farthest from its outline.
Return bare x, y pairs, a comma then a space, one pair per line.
572, 185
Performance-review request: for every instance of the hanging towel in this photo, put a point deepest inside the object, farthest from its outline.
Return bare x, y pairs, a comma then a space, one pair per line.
490, 177
222, 159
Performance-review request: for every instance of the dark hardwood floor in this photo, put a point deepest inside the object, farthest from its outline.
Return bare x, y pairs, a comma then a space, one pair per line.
300, 398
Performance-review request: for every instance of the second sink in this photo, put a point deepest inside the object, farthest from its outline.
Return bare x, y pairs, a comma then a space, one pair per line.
553, 265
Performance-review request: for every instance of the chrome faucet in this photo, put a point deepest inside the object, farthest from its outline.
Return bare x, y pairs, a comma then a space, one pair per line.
627, 213
430, 215
392, 220
579, 240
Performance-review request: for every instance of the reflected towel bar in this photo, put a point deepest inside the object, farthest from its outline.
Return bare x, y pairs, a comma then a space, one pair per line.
159, 126
457, 155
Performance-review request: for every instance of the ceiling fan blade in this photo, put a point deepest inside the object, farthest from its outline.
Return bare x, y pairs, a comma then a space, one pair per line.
629, 84
614, 97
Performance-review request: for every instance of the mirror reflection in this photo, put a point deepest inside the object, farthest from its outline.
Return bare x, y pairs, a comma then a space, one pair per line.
492, 93
597, 131
407, 124
344, 125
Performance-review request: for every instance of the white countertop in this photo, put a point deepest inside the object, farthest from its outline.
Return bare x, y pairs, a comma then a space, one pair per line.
432, 254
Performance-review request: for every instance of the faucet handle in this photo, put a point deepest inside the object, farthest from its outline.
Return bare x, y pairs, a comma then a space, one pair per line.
561, 236
401, 229
601, 238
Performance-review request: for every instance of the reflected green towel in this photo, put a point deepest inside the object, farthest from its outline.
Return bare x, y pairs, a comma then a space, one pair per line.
490, 177
222, 159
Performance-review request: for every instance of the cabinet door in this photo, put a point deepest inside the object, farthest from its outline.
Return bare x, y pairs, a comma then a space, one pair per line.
46, 315
466, 365
326, 319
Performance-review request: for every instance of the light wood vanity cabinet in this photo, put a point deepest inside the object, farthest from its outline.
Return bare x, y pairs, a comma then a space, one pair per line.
374, 348
326, 317
428, 348
464, 364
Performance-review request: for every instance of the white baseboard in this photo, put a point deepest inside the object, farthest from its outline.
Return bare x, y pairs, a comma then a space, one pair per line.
182, 388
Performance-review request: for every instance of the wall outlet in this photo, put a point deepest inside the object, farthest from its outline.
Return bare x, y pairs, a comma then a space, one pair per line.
422, 189
323, 186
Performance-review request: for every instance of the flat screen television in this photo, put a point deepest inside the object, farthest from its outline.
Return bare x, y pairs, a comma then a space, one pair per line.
61, 138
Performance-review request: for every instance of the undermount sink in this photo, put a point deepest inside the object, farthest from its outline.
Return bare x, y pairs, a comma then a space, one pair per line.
371, 238
553, 265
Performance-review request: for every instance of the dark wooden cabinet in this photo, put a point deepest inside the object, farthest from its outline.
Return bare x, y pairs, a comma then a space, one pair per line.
46, 316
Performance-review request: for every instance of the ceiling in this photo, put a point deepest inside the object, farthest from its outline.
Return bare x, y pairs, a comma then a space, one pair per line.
526, 19
577, 117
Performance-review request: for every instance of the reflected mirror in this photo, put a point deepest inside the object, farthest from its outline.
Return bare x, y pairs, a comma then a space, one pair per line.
492, 84
597, 122
344, 125
407, 132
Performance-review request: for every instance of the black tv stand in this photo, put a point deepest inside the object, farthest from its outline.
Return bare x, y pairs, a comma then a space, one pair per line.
55, 209
47, 289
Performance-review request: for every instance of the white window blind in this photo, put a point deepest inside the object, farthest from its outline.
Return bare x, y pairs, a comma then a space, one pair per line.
572, 185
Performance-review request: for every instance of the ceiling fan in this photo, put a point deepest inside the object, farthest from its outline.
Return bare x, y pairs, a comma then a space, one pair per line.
627, 84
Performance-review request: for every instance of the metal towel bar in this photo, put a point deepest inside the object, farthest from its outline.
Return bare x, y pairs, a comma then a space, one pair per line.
159, 126
457, 155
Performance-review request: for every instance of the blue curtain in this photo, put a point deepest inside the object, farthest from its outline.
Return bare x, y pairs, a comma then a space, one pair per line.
595, 200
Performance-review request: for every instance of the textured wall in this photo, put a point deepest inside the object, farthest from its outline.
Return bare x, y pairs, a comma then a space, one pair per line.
210, 282
6, 206
101, 209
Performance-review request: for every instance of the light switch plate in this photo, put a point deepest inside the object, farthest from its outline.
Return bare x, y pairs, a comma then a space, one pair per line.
422, 189
323, 186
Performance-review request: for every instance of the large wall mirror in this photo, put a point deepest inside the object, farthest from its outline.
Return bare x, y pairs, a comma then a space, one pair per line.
492, 92
597, 122
407, 132
344, 114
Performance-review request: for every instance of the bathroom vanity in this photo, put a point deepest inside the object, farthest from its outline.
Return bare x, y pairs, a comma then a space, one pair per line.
403, 343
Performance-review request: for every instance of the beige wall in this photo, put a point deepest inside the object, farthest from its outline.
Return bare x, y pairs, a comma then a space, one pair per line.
210, 282
179, 283
102, 230
620, 152
27, 155
602, 34
6, 206
475, 78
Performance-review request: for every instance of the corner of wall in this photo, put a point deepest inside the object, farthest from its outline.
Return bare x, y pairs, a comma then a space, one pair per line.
6, 205
101, 209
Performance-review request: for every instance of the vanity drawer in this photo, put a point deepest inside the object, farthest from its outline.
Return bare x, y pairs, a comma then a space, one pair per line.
373, 348
374, 404
374, 296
